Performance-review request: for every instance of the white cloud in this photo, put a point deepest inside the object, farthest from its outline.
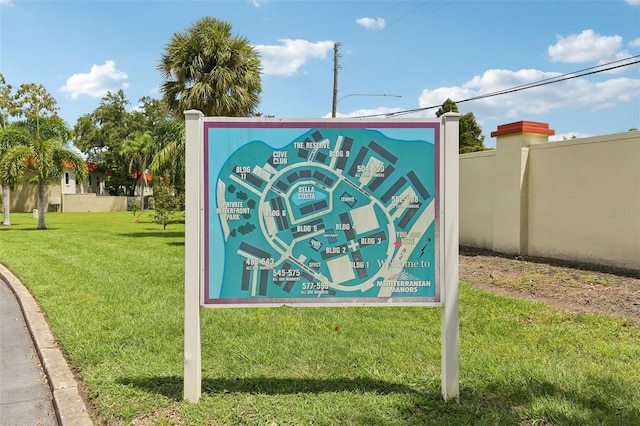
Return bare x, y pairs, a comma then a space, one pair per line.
286, 59
380, 111
636, 42
575, 93
568, 136
634, 2
137, 108
97, 82
6, 3
371, 23
587, 46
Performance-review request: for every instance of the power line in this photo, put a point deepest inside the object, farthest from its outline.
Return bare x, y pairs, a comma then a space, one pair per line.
563, 77
393, 22
424, 3
410, 12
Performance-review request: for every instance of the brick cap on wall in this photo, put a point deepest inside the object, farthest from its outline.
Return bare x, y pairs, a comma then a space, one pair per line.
523, 127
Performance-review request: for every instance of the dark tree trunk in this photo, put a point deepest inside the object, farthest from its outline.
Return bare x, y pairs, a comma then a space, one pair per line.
41, 223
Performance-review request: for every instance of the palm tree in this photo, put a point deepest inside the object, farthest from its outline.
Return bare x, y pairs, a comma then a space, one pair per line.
138, 149
10, 136
169, 154
46, 159
209, 69
45, 154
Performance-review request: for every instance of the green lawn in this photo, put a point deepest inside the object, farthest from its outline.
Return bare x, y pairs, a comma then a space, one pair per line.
113, 292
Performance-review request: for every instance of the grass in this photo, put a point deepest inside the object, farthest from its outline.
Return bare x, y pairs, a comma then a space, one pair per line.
113, 293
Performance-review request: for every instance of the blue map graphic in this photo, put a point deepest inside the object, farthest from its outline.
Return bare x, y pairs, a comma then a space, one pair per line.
321, 215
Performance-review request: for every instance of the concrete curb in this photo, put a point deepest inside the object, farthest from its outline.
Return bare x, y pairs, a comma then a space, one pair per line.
68, 404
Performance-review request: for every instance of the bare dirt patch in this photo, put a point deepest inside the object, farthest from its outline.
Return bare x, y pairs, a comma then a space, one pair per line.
571, 286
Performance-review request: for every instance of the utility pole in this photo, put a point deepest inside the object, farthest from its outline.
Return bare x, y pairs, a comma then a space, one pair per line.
336, 67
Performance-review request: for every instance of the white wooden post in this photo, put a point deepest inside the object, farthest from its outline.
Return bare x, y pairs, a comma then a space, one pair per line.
192, 256
449, 272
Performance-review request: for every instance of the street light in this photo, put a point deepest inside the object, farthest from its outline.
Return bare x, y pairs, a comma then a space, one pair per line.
335, 102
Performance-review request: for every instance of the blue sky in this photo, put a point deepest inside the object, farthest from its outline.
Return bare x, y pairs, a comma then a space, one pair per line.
419, 51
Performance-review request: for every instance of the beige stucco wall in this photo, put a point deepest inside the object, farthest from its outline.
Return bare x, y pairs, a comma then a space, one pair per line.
67, 197
576, 200
93, 203
25, 198
584, 200
476, 199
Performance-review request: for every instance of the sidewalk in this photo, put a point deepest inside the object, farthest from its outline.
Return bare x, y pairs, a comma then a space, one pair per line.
37, 386
25, 397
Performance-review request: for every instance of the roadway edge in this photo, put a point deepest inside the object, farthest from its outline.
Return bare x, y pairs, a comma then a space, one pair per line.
68, 404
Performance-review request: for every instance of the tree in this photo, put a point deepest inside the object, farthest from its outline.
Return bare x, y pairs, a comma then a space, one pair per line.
150, 113
138, 149
209, 69
101, 134
471, 138
6, 141
33, 102
10, 136
169, 157
447, 106
6, 102
106, 136
53, 127
45, 158
167, 132
165, 200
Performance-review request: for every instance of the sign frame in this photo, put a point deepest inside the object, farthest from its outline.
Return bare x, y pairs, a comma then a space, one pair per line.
375, 265
198, 230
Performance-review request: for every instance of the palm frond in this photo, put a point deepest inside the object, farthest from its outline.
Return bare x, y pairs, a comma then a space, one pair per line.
13, 164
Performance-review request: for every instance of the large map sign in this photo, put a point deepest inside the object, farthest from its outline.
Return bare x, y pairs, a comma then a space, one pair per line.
320, 212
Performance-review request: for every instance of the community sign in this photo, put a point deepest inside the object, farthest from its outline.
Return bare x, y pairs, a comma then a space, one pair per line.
320, 212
